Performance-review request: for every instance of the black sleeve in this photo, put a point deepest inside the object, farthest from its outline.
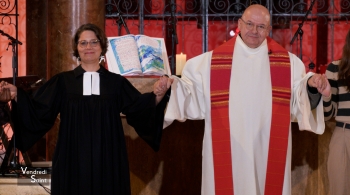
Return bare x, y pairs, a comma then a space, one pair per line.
314, 96
4, 113
33, 117
147, 118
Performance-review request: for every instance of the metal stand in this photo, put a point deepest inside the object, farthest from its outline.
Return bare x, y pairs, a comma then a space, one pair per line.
174, 40
121, 21
13, 43
300, 32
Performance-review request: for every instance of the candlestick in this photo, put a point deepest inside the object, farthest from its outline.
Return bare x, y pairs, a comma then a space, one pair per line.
180, 63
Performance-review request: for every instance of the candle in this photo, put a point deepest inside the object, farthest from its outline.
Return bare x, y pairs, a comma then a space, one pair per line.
180, 63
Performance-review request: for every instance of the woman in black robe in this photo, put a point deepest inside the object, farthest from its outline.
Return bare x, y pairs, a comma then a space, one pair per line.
90, 155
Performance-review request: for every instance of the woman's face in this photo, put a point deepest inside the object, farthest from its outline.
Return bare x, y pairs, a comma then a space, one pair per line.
89, 48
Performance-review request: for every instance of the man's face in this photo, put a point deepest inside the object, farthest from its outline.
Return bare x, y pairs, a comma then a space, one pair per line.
254, 27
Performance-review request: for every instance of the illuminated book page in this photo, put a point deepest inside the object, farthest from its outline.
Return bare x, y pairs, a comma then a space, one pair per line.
122, 55
151, 53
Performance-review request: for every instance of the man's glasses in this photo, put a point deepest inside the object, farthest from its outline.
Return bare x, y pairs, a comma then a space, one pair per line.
84, 43
250, 26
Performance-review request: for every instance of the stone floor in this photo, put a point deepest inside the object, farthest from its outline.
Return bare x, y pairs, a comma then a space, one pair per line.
11, 186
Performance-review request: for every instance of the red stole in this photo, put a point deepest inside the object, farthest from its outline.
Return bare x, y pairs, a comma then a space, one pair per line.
219, 85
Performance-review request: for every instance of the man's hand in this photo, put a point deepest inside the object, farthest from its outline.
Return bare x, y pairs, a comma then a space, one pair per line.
321, 83
161, 86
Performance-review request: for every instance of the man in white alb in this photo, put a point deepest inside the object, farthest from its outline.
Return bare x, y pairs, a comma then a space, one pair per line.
248, 91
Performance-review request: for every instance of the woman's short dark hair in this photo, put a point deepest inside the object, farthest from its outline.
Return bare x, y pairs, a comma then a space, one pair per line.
99, 34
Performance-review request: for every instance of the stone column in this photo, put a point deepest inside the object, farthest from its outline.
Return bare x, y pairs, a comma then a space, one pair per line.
64, 17
36, 25
36, 57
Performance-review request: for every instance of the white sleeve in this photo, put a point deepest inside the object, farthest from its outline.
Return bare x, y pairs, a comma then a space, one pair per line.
310, 120
187, 99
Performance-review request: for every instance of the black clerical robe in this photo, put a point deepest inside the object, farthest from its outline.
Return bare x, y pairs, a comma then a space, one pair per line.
90, 155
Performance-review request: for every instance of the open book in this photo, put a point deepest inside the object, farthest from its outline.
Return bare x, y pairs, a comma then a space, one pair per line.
137, 55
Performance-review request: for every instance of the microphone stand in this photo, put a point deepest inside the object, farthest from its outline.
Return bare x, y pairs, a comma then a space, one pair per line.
121, 21
13, 43
300, 31
174, 40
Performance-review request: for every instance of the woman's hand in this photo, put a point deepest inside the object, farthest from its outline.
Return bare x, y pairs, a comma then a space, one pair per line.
161, 86
7, 91
321, 83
